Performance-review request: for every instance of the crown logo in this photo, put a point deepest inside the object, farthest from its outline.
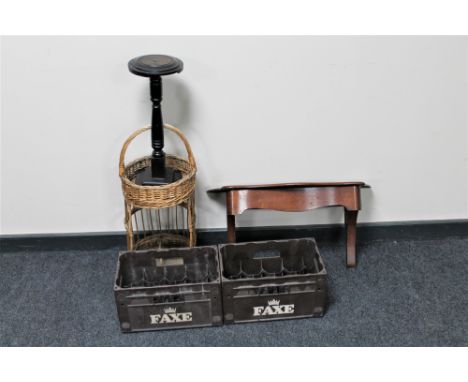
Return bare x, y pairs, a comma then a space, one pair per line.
169, 310
274, 302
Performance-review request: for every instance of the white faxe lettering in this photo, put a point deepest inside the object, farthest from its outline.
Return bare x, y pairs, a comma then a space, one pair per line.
271, 310
155, 318
258, 310
168, 318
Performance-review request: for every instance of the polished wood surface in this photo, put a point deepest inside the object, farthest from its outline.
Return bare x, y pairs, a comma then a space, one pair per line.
296, 197
287, 185
350, 223
293, 199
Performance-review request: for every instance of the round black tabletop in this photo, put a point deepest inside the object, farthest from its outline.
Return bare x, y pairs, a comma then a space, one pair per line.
155, 65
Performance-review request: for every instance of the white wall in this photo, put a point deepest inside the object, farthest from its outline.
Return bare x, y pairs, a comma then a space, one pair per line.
391, 111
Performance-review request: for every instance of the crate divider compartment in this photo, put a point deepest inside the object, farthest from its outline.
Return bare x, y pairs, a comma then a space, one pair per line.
272, 280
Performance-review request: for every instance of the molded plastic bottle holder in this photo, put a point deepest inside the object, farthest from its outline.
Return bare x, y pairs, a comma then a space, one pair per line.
272, 280
168, 289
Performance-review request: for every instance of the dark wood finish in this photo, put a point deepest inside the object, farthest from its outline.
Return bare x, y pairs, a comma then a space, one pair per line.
296, 197
157, 133
231, 228
154, 66
288, 185
350, 222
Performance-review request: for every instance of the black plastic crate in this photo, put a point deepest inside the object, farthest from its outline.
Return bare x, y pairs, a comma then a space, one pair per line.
168, 289
272, 280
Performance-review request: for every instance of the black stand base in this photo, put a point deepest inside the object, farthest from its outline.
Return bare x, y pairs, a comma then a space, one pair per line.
146, 178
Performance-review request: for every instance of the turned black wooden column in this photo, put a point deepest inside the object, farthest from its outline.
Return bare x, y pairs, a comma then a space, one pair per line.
157, 131
155, 66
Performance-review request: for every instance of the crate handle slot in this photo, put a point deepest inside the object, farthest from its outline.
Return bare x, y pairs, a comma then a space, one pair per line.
266, 254
169, 262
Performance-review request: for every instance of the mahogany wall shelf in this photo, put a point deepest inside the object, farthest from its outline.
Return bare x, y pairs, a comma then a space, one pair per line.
296, 197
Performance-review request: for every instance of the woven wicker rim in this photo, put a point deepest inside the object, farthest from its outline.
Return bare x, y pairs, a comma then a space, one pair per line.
157, 196
191, 160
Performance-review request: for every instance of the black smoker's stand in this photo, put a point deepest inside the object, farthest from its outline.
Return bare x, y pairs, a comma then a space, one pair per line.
155, 66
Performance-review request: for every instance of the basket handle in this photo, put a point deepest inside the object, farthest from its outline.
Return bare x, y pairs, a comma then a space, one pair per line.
175, 130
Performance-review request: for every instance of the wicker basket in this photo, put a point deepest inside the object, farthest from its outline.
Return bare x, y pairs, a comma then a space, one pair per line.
181, 192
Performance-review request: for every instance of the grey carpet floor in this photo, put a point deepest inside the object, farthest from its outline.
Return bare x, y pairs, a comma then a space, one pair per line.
403, 293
